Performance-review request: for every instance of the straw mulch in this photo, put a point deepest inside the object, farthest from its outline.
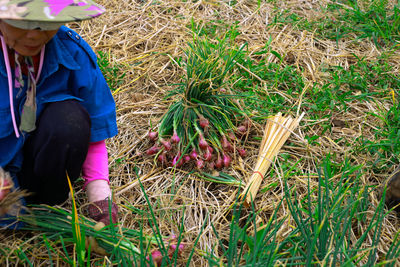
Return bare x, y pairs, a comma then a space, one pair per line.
143, 36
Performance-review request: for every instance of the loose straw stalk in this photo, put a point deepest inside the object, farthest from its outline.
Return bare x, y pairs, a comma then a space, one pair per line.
277, 131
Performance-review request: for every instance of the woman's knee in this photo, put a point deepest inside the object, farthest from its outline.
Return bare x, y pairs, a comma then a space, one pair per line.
66, 120
58, 146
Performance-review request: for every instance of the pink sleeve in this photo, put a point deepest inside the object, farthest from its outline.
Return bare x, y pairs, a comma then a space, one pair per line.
95, 166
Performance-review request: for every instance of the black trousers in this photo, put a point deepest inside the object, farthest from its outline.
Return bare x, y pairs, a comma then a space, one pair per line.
58, 146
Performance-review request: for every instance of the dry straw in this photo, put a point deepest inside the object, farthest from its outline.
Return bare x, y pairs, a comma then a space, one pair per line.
277, 131
144, 36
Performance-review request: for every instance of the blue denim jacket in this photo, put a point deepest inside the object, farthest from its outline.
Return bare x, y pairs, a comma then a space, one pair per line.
70, 71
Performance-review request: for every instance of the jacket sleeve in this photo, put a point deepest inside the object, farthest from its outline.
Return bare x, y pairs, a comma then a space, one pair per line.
88, 84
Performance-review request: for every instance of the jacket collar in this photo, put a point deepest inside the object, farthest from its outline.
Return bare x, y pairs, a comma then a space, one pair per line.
56, 54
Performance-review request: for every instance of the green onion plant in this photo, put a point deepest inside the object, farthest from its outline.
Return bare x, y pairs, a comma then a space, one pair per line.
204, 124
331, 225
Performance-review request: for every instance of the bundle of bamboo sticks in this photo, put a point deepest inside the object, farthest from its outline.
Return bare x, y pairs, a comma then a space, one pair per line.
277, 131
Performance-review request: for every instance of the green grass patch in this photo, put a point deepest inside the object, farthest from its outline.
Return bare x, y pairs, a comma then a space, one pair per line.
384, 147
332, 222
111, 71
350, 20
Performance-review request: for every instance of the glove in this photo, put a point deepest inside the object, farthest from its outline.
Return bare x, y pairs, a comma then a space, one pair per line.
392, 197
99, 211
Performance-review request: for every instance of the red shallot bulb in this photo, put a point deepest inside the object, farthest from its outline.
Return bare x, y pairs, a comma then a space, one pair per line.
162, 158
153, 135
157, 257
203, 143
227, 160
186, 158
175, 160
207, 155
175, 138
166, 144
193, 154
152, 150
181, 247
225, 144
203, 122
242, 152
199, 164
219, 163
173, 247
241, 130
211, 165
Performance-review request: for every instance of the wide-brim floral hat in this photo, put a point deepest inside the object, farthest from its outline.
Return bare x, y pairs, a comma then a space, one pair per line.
49, 10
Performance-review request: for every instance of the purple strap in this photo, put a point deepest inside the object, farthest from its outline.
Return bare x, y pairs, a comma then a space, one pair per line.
10, 84
40, 63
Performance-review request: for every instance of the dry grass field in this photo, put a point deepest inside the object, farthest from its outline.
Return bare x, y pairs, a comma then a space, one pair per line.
295, 60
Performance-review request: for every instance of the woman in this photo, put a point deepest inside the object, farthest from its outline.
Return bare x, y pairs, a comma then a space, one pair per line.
56, 109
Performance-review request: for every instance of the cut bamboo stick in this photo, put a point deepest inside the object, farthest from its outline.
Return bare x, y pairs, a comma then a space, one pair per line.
276, 132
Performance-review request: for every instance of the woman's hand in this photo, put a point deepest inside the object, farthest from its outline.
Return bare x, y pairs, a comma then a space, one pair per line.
5, 188
100, 211
99, 195
5, 184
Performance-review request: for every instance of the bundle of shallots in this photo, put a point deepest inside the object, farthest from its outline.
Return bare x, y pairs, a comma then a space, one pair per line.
205, 124
56, 223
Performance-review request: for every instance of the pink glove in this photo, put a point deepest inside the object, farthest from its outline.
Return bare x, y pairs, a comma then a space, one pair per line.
99, 211
95, 166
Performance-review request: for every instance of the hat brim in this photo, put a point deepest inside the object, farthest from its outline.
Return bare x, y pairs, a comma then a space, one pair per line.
62, 11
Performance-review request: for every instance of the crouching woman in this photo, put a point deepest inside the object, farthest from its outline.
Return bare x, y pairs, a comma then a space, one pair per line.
56, 110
